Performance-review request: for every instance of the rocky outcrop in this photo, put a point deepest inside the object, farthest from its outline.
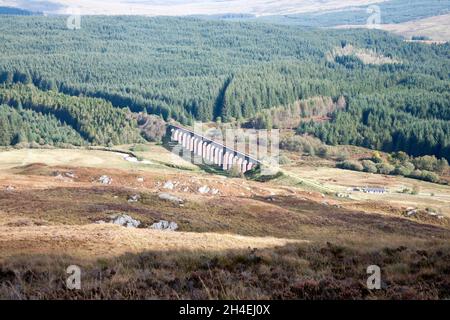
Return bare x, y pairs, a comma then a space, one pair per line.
164, 225
171, 198
169, 185
134, 198
105, 180
125, 221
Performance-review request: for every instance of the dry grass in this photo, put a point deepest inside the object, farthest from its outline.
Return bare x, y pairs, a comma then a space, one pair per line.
436, 28
295, 271
430, 196
63, 157
94, 241
47, 223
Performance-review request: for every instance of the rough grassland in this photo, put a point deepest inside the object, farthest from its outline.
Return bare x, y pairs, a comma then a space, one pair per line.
436, 28
273, 240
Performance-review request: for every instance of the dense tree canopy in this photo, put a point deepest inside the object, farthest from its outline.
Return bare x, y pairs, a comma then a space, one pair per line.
396, 92
96, 120
25, 126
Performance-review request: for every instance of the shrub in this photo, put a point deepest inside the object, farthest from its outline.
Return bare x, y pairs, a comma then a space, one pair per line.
429, 176
284, 160
401, 156
416, 174
385, 168
139, 148
322, 151
305, 144
369, 166
442, 165
405, 169
235, 172
350, 165
376, 157
153, 127
342, 156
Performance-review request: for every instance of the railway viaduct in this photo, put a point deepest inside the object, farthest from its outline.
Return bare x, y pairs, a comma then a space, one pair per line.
212, 152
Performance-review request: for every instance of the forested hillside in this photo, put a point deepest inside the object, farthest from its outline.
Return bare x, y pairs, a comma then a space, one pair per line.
415, 121
186, 69
96, 120
16, 11
19, 126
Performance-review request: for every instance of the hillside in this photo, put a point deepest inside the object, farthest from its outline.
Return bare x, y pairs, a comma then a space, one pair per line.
249, 240
390, 12
434, 28
98, 170
183, 8
87, 120
191, 69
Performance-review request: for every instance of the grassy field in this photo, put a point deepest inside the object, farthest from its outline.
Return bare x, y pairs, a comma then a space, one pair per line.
436, 28
430, 195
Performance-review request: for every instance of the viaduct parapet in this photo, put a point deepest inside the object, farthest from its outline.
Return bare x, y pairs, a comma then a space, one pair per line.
212, 152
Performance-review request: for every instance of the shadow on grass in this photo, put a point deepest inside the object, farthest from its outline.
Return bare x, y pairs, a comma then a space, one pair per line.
294, 271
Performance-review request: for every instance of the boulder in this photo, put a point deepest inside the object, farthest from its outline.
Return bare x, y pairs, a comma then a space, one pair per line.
164, 225
70, 174
134, 198
126, 221
105, 179
204, 189
10, 188
59, 176
169, 185
140, 179
342, 195
171, 198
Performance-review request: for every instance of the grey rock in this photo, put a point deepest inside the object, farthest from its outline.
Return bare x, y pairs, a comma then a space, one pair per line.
70, 174
105, 179
134, 198
169, 185
204, 189
342, 195
126, 221
164, 225
171, 198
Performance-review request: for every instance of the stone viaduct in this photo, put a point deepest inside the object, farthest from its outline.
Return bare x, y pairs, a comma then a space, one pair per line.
212, 152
